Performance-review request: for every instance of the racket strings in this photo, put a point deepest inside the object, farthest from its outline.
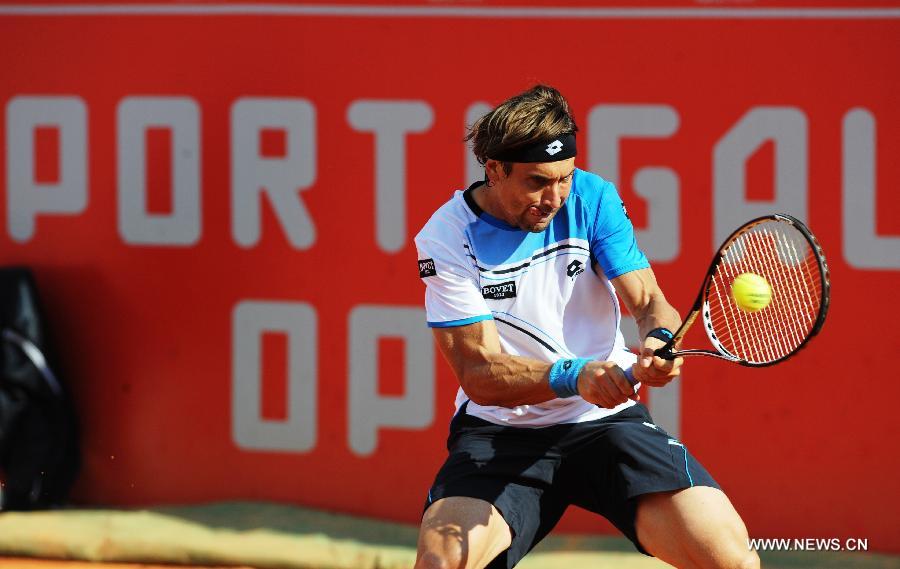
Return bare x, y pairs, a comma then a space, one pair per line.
778, 328
803, 307
771, 332
753, 261
727, 315
789, 326
744, 326
785, 329
812, 303
782, 256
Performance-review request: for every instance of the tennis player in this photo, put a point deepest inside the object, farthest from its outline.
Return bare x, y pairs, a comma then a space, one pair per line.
523, 273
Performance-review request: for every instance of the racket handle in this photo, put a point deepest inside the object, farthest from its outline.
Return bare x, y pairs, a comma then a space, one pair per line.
665, 353
629, 375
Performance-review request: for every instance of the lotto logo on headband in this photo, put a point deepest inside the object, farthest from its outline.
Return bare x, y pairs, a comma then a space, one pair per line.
554, 150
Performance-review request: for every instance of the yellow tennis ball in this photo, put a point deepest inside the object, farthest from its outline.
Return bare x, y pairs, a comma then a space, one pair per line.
751, 292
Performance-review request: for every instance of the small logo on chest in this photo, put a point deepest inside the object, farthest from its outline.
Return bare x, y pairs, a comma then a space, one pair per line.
574, 269
499, 291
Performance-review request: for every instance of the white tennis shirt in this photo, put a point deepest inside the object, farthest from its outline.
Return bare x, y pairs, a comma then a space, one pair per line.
548, 293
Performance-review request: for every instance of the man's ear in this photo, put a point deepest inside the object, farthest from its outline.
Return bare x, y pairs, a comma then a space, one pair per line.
494, 171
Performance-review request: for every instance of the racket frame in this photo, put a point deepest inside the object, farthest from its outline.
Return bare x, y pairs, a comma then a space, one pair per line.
701, 304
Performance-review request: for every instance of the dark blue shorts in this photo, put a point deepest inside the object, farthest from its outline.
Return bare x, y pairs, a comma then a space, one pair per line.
531, 475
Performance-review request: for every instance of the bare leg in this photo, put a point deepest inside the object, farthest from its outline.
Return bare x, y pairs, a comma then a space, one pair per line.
461, 533
694, 528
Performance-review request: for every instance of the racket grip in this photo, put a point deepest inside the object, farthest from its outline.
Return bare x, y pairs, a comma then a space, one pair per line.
665, 353
629, 375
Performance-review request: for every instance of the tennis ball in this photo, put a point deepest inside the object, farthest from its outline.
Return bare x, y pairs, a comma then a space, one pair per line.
751, 292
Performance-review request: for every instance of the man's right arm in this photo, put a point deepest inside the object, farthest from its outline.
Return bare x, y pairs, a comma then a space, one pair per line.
491, 377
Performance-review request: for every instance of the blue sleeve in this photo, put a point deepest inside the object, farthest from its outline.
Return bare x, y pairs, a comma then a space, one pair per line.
612, 236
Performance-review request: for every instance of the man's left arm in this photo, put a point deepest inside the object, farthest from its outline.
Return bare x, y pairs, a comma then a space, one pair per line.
645, 300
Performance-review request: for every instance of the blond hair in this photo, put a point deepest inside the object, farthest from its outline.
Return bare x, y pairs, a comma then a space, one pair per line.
538, 114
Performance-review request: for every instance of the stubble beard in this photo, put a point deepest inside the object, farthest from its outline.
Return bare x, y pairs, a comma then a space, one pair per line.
539, 226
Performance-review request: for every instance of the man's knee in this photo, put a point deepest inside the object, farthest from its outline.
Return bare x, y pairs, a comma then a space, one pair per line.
695, 527
442, 547
461, 533
726, 547
446, 559
745, 560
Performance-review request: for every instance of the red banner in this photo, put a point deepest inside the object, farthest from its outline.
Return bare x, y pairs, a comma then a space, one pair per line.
219, 205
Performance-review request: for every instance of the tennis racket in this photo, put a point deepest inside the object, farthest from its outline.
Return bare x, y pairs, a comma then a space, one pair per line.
783, 252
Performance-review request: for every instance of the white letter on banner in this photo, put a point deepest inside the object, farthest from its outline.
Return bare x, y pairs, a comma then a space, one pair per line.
474, 170
390, 121
298, 321
787, 127
664, 402
369, 411
607, 126
25, 198
863, 248
181, 115
281, 179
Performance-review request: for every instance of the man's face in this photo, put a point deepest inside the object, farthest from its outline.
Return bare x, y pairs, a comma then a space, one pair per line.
531, 194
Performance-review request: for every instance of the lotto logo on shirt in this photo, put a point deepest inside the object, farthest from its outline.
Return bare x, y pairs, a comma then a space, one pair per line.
426, 268
574, 269
499, 291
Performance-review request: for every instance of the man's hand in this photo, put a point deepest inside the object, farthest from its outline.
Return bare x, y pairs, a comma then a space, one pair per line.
654, 370
604, 384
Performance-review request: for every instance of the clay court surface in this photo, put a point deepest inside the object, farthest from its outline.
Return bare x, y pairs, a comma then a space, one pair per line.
272, 536
25, 563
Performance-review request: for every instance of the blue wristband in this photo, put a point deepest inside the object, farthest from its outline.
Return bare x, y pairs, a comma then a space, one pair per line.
564, 376
663, 334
